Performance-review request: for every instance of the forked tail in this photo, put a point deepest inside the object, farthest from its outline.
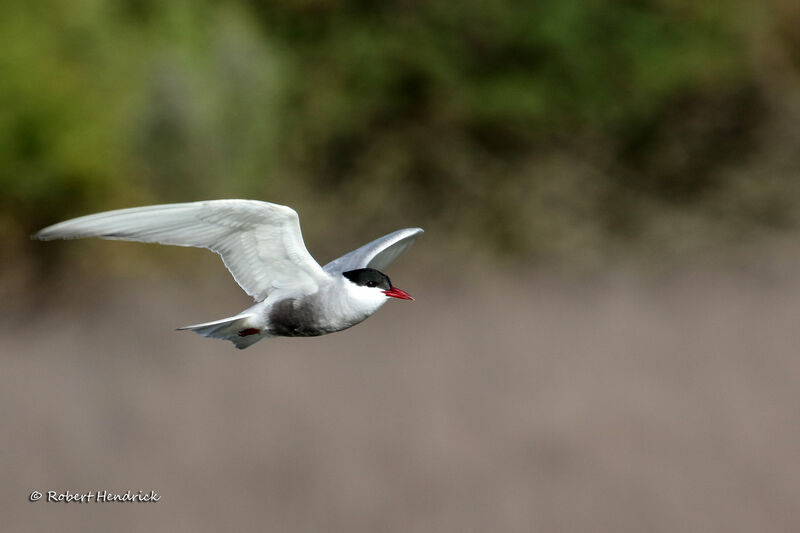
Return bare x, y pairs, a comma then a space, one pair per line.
237, 329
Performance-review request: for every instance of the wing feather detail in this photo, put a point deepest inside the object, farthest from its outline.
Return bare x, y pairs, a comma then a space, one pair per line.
378, 254
260, 243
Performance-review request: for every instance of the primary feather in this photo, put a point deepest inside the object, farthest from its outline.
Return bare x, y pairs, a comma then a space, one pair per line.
260, 242
377, 254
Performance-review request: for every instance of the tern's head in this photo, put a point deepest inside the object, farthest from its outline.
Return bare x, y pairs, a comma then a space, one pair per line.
373, 280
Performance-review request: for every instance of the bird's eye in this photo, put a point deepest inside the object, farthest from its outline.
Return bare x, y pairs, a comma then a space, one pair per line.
370, 284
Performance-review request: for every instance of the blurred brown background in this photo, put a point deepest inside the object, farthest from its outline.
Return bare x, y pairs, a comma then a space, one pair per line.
604, 336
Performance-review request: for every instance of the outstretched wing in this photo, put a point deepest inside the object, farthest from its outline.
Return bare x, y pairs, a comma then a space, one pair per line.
260, 243
378, 254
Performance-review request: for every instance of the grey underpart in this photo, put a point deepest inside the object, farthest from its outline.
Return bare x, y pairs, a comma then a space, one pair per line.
294, 318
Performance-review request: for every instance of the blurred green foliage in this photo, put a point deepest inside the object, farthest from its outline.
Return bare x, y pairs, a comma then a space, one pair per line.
553, 128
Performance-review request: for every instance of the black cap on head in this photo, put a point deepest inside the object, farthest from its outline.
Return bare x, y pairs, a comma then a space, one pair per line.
369, 277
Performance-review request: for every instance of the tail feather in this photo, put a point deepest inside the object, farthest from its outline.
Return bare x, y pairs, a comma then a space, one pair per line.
237, 329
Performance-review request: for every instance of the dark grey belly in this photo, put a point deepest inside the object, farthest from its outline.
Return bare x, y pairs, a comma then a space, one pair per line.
295, 318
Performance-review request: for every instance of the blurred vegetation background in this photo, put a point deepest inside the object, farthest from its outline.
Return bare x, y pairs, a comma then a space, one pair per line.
618, 139
554, 130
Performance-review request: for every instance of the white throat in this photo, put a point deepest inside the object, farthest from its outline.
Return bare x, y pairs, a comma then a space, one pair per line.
359, 300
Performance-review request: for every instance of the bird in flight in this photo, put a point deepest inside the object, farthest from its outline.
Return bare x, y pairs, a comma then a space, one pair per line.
262, 247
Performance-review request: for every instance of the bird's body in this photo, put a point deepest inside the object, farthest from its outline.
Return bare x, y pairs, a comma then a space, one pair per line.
334, 307
261, 244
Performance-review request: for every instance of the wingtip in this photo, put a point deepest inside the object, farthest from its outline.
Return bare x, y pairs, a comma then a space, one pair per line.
47, 235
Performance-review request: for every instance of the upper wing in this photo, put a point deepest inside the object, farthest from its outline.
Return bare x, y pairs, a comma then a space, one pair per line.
259, 242
378, 254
